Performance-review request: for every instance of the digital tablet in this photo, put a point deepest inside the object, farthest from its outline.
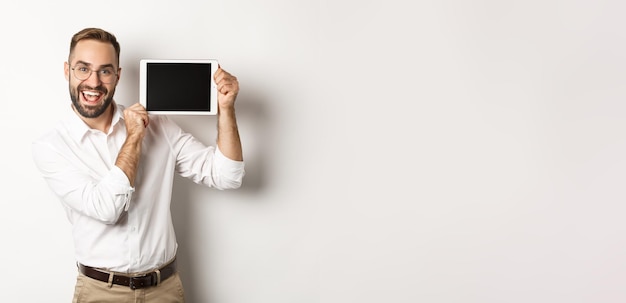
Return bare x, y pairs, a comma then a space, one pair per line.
178, 86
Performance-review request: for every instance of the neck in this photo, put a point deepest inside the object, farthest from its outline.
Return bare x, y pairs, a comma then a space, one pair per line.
102, 122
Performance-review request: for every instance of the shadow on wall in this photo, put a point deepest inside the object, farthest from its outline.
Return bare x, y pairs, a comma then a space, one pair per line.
253, 118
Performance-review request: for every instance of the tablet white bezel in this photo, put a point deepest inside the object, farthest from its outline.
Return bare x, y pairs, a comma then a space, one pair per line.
143, 85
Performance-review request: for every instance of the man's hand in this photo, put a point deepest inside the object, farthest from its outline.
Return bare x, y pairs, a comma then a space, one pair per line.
136, 119
227, 132
227, 89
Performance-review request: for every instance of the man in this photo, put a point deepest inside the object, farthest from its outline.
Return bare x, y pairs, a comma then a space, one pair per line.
112, 168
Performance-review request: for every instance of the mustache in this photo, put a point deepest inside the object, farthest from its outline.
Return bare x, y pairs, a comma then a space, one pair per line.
100, 89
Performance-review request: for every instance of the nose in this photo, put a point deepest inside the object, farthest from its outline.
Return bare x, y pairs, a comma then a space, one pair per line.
93, 80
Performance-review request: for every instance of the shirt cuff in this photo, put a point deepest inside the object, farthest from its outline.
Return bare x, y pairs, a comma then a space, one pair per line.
121, 185
226, 163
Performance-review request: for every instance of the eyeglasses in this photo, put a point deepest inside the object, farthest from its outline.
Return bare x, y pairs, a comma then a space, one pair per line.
83, 72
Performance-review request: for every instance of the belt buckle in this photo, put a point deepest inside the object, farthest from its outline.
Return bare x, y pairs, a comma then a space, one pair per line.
131, 283
140, 281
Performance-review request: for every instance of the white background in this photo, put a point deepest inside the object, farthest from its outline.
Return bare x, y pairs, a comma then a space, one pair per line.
397, 151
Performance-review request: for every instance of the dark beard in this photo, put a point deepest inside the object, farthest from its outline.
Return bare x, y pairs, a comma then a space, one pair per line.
90, 111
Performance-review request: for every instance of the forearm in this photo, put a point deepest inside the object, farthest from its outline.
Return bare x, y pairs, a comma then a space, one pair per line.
128, 157
228, 139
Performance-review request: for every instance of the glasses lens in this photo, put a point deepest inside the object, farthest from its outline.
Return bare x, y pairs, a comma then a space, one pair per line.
81, 72
106, 75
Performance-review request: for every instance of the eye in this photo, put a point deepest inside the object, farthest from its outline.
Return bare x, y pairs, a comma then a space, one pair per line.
106, 72
82, 69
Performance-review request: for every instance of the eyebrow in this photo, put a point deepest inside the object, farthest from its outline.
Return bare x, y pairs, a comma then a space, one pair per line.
89, 64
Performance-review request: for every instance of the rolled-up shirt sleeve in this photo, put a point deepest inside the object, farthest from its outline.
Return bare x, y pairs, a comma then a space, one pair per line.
208, 166
230, 172
102, 195
202, 164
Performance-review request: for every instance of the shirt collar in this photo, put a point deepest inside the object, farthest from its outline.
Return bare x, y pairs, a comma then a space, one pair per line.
78, 128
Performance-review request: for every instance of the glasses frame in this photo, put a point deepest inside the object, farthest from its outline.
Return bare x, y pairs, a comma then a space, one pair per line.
115, 74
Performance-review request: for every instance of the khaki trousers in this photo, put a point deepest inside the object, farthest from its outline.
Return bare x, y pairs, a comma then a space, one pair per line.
89, 290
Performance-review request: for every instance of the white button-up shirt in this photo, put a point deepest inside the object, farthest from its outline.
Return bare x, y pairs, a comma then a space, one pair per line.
114, 225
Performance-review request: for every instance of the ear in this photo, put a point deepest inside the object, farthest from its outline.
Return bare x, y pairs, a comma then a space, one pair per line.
66, 70
119, 74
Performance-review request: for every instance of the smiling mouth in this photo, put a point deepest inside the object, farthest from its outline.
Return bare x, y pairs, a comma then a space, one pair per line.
91, 96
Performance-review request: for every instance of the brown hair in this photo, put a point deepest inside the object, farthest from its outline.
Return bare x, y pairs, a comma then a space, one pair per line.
95, 34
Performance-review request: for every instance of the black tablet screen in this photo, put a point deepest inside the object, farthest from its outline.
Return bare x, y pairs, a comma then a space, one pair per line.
178, 86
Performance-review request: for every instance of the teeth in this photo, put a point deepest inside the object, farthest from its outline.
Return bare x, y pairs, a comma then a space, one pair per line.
91, 93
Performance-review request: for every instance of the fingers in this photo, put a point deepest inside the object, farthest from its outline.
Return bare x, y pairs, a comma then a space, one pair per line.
137, 115
226, 83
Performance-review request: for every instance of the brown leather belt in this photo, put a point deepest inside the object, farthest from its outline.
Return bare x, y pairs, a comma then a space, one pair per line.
133, 281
